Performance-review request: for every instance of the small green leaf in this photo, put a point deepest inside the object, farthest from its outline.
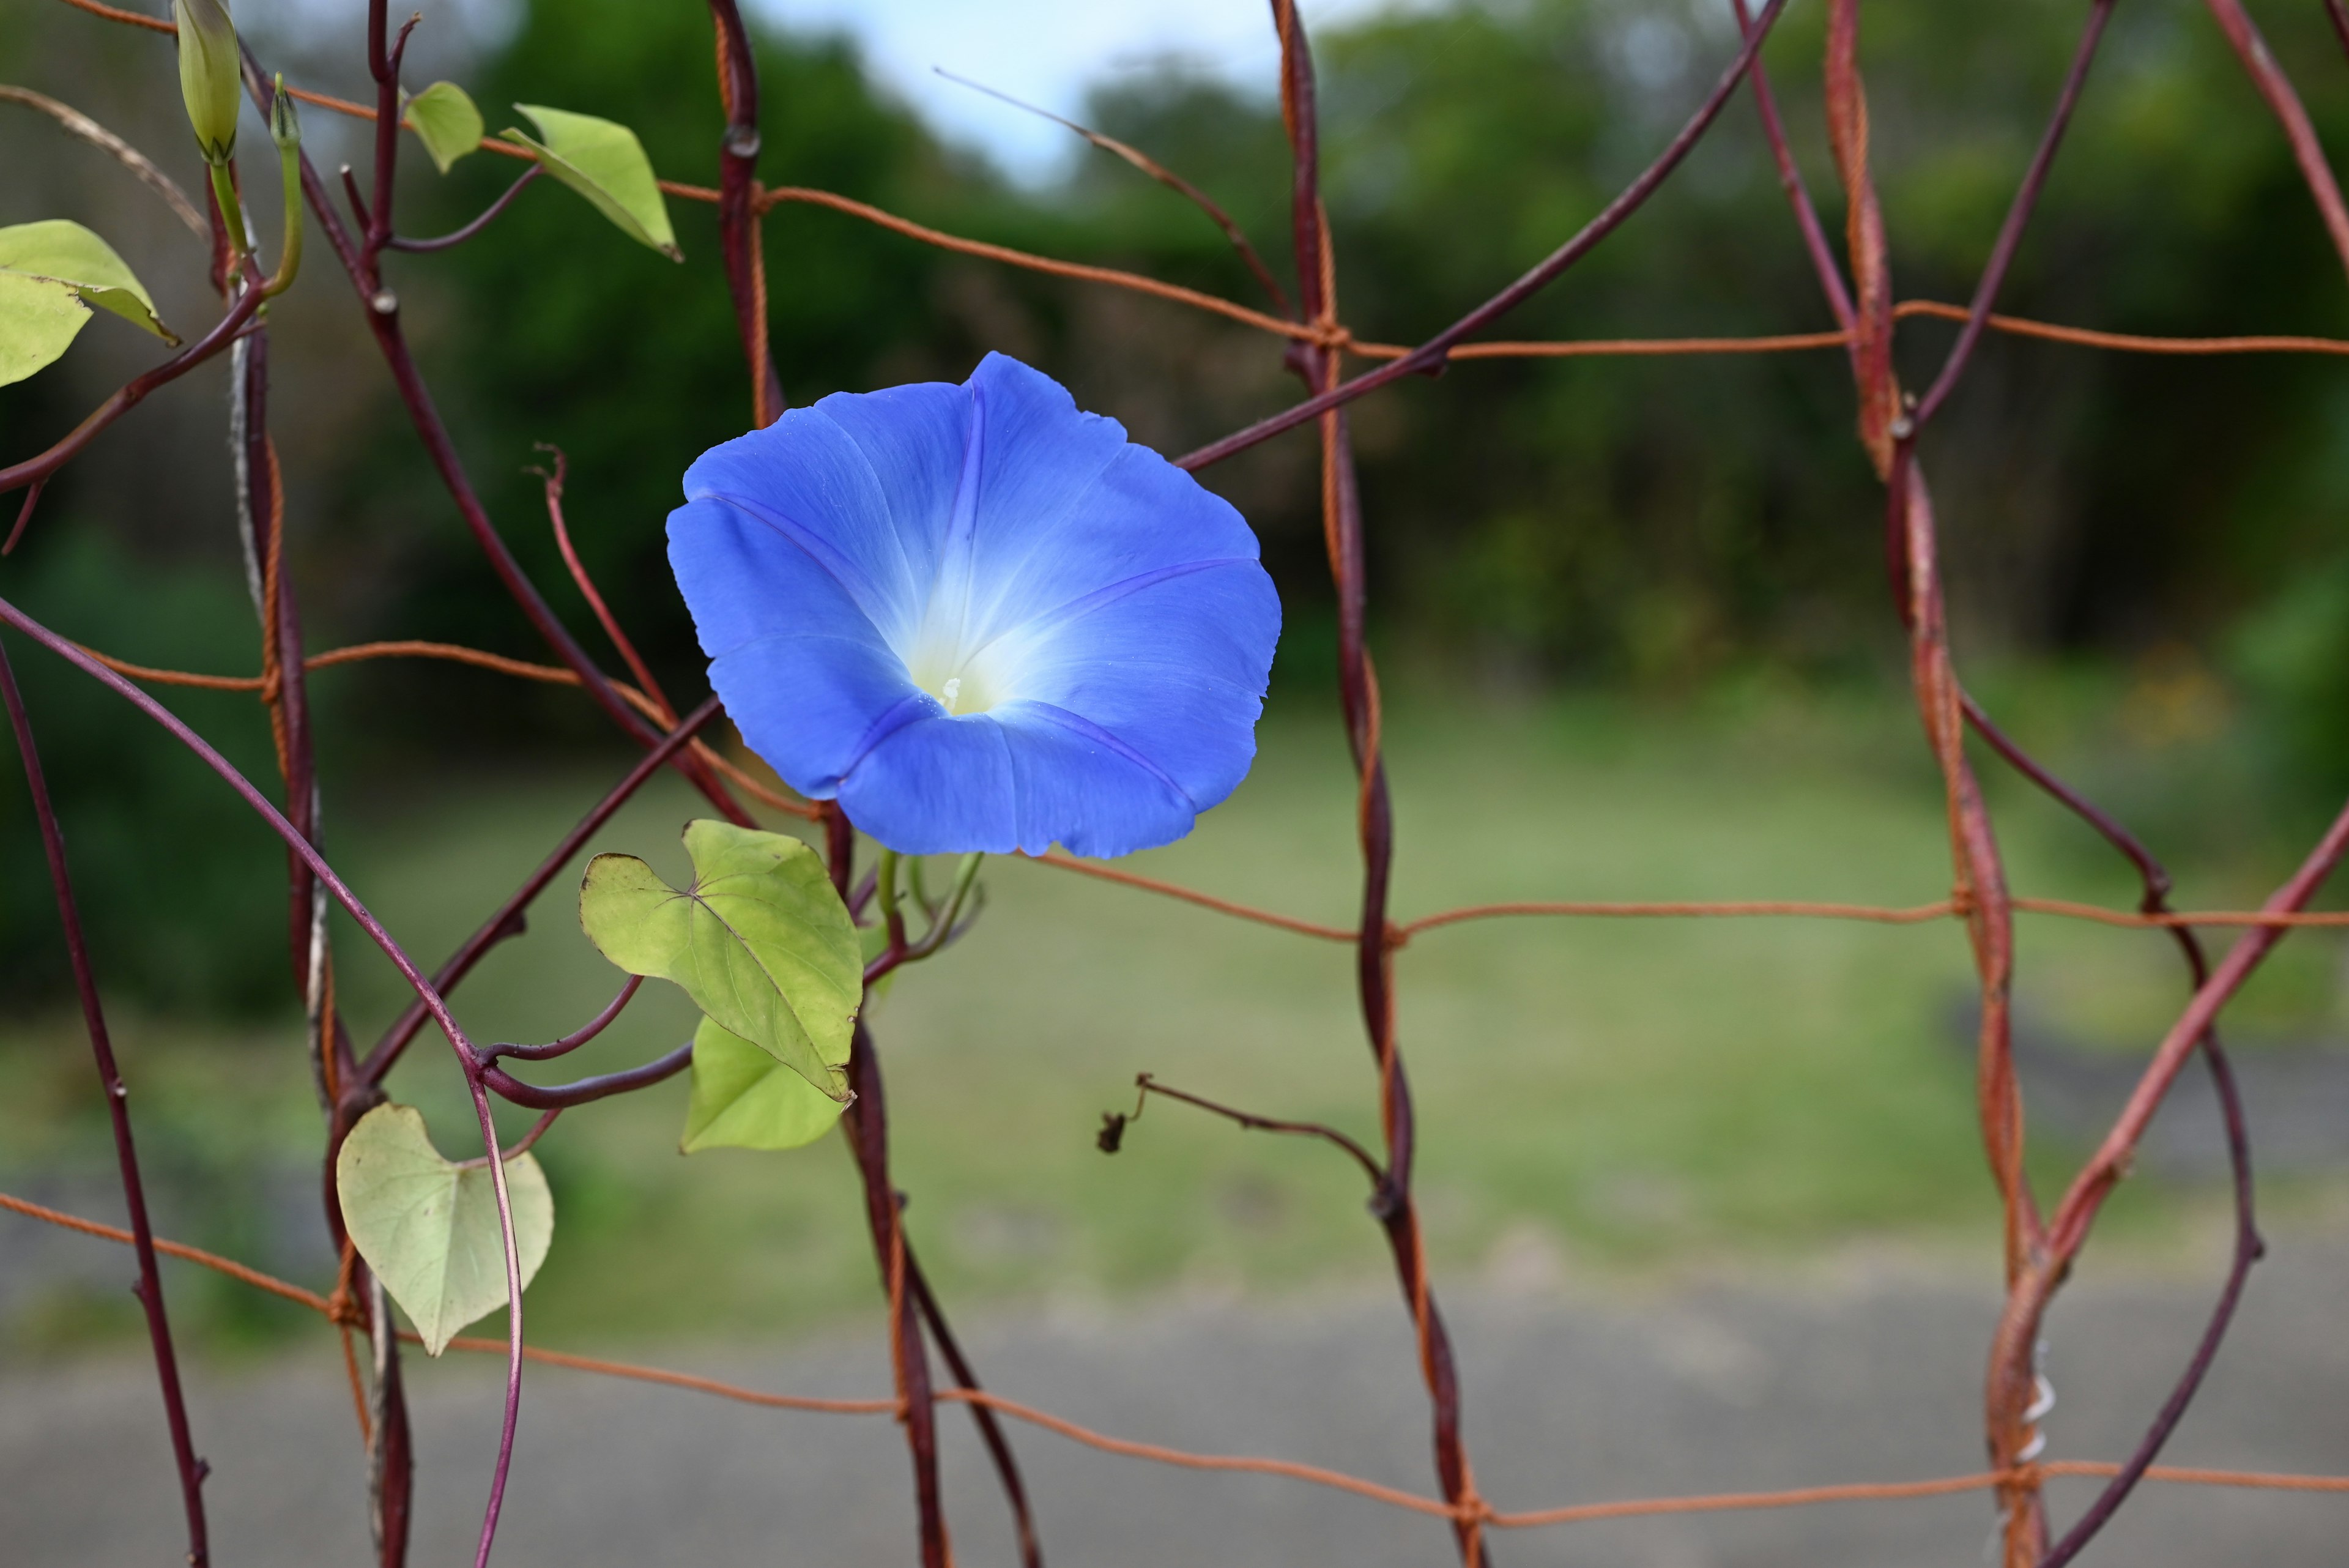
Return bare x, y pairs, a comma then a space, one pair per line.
39, 319
64, 252
744, 1098
605, 163
429, 1227
445, 122
759, 940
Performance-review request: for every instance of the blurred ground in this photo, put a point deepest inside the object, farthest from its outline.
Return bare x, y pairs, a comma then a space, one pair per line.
1862, 1367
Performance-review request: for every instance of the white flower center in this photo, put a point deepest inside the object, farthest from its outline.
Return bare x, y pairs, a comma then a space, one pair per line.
964, 683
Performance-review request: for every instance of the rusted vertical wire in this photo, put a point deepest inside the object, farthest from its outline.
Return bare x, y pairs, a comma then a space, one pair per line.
1319, 364
1888, 432
738, 207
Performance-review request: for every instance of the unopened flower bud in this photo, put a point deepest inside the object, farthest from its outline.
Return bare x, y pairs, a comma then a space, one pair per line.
285, 125
211, 74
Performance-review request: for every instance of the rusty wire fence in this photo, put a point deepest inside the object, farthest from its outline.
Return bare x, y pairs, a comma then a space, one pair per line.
2041, 1244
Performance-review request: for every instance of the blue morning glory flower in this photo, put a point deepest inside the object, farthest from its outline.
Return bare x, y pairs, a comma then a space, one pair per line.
978, 617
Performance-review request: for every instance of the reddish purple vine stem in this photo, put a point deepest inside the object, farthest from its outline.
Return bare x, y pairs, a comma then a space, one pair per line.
563, 1096
460, 235
508, 919
2018, 215
867, 1123
1790, 179
149, 1288
1148, 1084
577, 1037
36, 469
990, 1428
2248, 1247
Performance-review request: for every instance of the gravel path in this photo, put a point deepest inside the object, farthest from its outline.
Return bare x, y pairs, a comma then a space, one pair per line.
1856, 1370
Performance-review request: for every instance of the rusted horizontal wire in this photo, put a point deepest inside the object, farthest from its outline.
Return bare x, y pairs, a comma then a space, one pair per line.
1397, 935
2194, 1475
1184, 1458
2131, 342
779, 195
1192, 895
324, 1308
687, 1380
1581, 348
551, 674
115, 14
2170, 918
229, 1266
1891, 916
1336, 1480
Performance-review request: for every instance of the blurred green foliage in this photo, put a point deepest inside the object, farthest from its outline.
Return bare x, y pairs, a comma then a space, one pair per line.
181, 889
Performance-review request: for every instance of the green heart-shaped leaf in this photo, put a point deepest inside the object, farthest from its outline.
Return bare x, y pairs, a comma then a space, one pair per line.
39, 259
39, 318
759, 940
445, 122
605, 163
428, 1226
744, 1098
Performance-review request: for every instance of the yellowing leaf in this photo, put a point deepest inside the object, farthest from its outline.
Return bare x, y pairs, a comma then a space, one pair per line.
429, 1227
445, 122
605, 163
744, 1098
64, 252
39, 318
759, 940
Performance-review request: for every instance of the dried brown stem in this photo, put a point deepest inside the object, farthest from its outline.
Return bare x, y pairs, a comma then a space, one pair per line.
121, 151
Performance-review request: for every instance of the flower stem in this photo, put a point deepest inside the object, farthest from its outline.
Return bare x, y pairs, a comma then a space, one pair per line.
289, 260
231, 210
892, 915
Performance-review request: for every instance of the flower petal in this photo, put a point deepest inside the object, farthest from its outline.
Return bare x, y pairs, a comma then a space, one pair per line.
1067, 505
804, 675
1022, 777
808, 477
1173, 669
1077, 784
936, 786
913, 438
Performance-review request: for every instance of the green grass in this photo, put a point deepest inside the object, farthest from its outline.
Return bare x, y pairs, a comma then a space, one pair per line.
1602, 1094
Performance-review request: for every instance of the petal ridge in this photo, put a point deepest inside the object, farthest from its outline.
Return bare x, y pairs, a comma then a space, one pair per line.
821, 551
1078, 725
